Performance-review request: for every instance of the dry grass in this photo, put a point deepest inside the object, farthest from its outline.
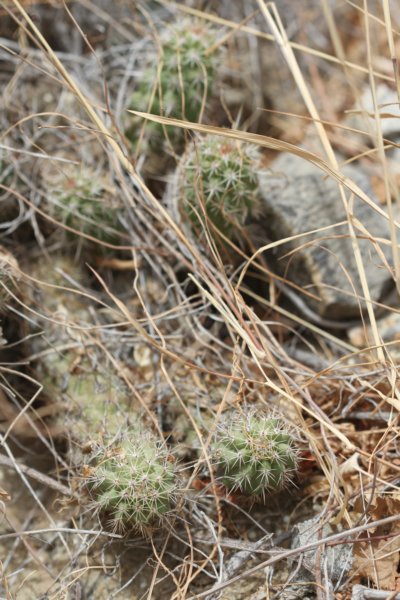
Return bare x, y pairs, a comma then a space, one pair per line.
179, 323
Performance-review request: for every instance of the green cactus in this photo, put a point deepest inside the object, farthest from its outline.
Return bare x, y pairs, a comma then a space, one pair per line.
95, 399
130, 479
128, 473
179, 88
80, 200
254, 453
134, 481
218, 176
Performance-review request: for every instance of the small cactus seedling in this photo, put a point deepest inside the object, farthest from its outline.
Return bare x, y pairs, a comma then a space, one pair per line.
80, 200
134, 482
254, 453
218, 177
179, 86
127, 471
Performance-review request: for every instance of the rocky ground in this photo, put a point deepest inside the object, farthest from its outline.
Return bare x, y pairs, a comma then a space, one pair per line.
199, 300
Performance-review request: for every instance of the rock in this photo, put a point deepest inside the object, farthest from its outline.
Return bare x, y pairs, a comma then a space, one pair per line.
298, 197
362, 336
335, 561
388, 107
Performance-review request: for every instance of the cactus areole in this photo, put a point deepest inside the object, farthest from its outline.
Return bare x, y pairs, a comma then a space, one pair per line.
218, 177
135, 483
178, 81
254, 454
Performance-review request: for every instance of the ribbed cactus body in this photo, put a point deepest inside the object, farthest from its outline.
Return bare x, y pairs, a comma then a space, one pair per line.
81, 201
96, 401
254, 454
127, 471
178, 79
134, 482
217, 180
72, 369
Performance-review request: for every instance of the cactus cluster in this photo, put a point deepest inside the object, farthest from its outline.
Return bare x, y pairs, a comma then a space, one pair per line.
80, 200
254, 453
127, 471
177, 82
218, 177
134, 481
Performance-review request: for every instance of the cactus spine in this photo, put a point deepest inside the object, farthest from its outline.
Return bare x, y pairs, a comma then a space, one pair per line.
126, 470
218, 177
254, 453
134, 482
179, 87
81, 200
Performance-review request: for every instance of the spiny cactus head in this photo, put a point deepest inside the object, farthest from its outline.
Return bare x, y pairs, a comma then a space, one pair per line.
179, 79
82, 201
134, 481
254, 453
96, 401
218, 176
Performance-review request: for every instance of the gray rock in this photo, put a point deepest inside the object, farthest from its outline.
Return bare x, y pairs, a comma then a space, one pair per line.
388, 107
335, 561
297, 197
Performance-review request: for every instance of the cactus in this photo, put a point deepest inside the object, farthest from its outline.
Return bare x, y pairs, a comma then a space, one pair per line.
80, 200
134, 482
128, 473
218, 177
178, 89
254, 453
130, 479
96, 400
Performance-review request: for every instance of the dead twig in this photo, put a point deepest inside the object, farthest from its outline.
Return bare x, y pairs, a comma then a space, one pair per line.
40, 477
360, 592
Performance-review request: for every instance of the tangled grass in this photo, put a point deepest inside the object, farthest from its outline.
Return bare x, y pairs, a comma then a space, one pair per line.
189, 329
